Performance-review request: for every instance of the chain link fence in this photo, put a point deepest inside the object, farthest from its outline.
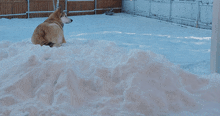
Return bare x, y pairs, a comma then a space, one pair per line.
185, 12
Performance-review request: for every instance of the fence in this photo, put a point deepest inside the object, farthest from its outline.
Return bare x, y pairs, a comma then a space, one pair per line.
191, 13
42, 8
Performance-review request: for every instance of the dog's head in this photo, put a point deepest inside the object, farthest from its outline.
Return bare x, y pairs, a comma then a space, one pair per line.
65, 19
62, 15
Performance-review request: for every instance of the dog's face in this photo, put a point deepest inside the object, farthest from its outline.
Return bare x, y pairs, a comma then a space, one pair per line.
61, 15
65, 19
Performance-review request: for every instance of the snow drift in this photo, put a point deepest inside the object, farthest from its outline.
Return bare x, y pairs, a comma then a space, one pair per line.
96, 78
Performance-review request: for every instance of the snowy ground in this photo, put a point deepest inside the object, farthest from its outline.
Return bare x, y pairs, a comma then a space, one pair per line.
110, 65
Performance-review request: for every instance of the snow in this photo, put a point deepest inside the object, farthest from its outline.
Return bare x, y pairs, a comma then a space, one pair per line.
110, 65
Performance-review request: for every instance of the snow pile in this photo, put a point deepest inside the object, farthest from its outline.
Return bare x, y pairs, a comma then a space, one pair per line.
95, 78
183, 46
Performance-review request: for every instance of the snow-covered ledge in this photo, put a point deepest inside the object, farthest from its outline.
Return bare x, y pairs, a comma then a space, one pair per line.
215, 41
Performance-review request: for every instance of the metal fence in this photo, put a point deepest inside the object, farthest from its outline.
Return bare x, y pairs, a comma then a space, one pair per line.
191, 13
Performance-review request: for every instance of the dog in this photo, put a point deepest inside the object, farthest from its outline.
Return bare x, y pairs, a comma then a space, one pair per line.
50, 32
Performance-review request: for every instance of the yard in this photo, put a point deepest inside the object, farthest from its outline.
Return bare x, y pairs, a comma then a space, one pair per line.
111, 65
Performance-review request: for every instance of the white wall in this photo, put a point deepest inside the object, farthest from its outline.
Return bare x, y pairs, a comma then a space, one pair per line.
184, 12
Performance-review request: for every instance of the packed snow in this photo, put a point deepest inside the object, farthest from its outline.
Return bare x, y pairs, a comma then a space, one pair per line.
119, 65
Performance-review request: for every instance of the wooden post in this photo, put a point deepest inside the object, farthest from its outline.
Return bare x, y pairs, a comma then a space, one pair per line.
215, 41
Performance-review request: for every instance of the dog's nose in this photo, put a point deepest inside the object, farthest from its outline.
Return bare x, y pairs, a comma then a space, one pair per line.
71, 20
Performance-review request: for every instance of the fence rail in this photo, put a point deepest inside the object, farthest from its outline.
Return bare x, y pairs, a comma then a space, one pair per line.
191, 13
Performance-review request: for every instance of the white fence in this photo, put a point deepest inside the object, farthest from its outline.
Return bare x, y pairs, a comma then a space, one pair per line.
191, 13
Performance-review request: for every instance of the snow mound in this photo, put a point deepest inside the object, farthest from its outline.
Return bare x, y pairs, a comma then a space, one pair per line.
95, 78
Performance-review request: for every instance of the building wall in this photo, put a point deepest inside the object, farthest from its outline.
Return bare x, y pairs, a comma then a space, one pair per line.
192, 13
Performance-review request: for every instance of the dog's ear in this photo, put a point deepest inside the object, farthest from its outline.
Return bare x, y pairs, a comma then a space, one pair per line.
60, 9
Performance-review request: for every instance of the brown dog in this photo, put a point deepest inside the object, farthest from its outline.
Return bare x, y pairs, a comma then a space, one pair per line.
50, 32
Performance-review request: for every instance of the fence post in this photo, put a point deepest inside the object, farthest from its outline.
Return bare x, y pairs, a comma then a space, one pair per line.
134, 7
198, 14
54, 8
95, 6
150, 9
170, 17
28, 8
66, 6
215, 45
57, 4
